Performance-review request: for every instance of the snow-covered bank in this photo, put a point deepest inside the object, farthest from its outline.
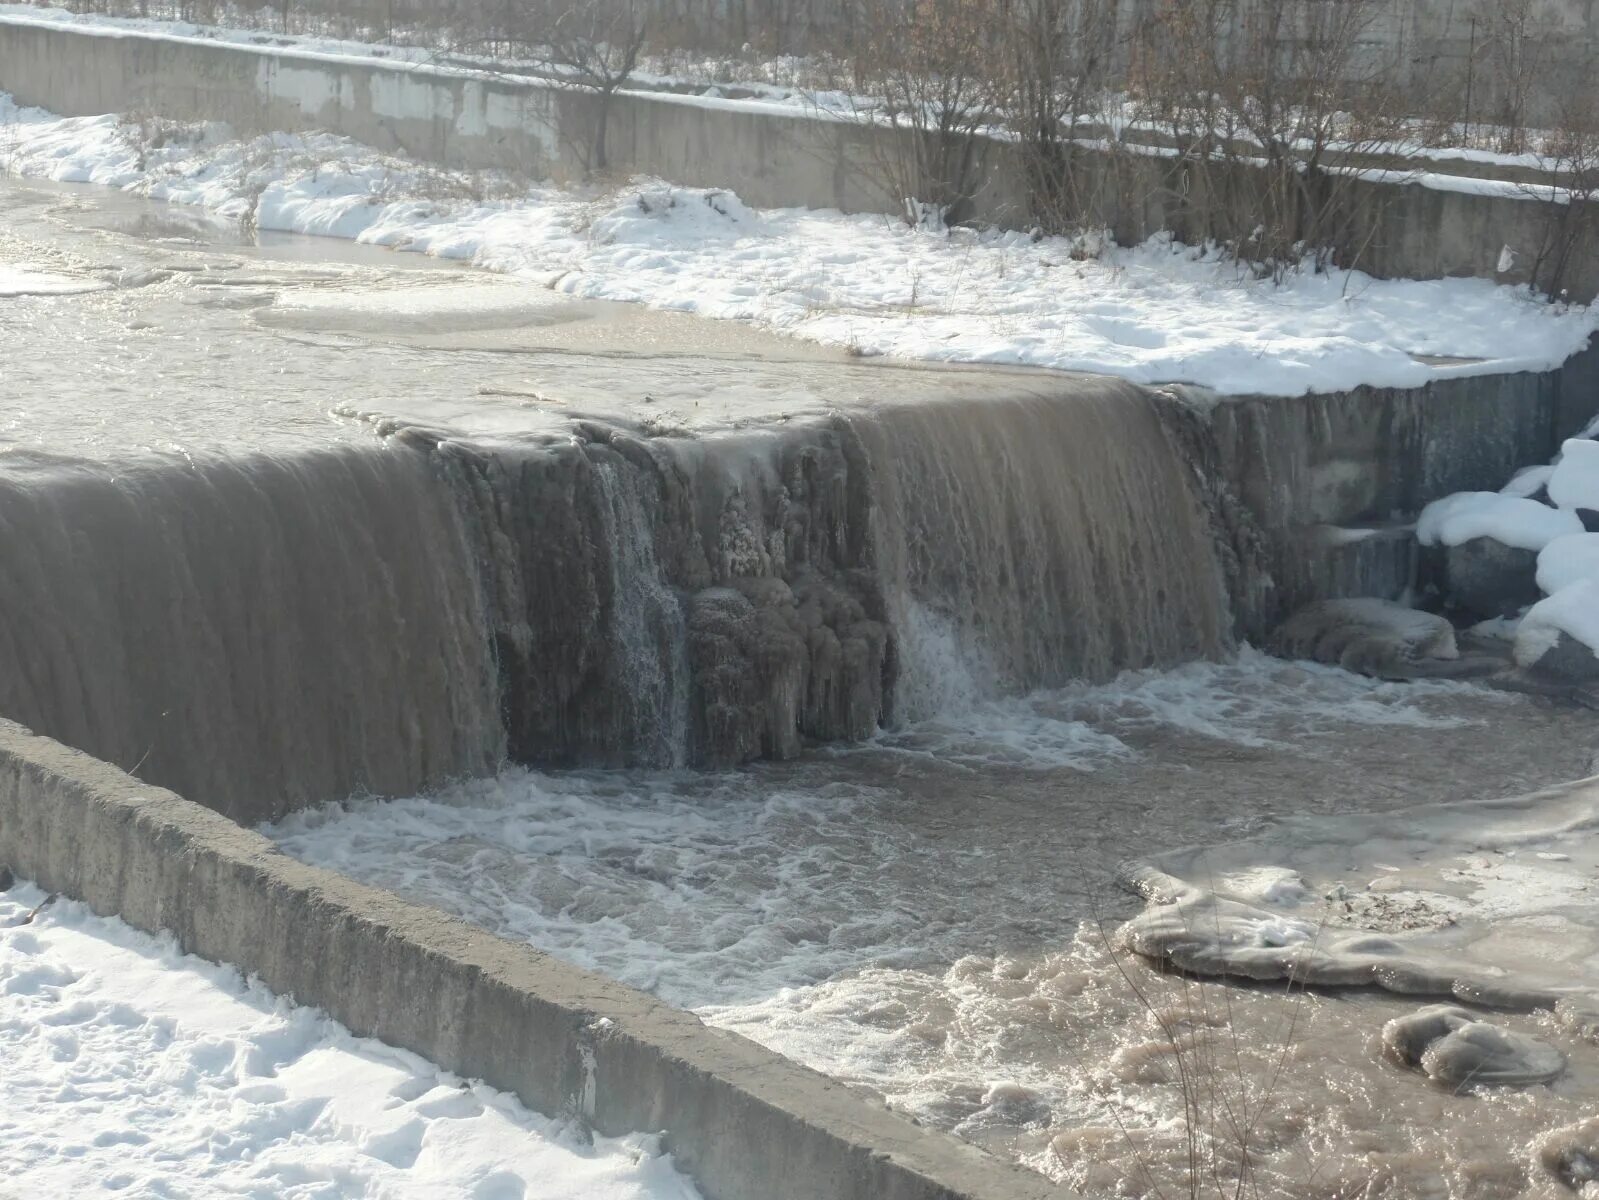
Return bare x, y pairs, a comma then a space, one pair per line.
131, 1067
1159, 312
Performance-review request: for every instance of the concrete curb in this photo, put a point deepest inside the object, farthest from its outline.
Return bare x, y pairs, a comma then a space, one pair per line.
743, 1121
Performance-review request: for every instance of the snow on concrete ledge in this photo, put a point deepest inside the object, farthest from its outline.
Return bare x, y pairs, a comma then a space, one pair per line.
131, 1066
1510, 520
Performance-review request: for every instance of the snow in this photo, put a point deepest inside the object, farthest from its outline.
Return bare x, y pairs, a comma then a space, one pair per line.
132, 1067
1160, 312
1573, 610
1575, 482
1527, 481
1568, 560
1511, 520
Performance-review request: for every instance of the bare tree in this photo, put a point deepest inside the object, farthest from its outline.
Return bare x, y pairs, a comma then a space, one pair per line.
1056, 90
927, 69
1268, 105
1569, 196
1515, 52
598, 42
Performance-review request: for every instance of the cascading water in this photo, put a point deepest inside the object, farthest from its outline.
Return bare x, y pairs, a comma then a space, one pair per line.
1058, 535
258, 633
266, 632
648, 625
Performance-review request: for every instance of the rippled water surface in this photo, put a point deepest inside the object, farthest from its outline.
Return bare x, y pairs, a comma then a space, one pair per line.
933, 918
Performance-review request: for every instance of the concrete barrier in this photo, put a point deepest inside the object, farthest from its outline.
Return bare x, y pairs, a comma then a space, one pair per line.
771, 155
744, 1122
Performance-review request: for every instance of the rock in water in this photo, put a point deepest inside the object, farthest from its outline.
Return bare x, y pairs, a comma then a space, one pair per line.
1485, 578
1372, 637
1566, 661
1453, 1047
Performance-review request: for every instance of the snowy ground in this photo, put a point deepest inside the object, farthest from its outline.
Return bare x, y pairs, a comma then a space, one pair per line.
1156, 313
130, 1067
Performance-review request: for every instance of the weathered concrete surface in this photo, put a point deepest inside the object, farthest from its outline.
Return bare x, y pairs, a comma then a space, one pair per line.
1374, 456
769, 157
744, 1122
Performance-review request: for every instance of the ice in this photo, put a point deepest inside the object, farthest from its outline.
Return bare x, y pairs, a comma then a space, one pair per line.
1490, 902
1373, 637
1512, 520
22, 280
132, 1067
1156, 312
1456, 1048
1527, 481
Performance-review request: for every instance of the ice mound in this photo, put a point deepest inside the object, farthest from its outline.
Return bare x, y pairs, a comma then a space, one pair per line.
1568, 560
1490, 903
1571, 613
1206, 933
1369, 637
1454, 1047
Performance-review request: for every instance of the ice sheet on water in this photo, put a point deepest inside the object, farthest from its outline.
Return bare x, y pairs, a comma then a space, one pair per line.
21, 279
1493, 903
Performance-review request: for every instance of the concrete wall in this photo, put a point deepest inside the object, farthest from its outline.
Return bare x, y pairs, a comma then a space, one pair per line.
770, 155
744, 1122
1376, 456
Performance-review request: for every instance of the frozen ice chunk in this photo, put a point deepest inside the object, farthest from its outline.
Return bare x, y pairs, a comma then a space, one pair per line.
1372, 637
1571, 1154
1454, 1047
1568, 560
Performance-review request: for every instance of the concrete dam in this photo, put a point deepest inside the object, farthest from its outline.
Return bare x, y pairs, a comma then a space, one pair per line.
669, 559
728, 743
605, 596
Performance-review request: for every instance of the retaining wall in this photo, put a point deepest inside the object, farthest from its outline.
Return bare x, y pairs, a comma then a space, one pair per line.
771, 155
743, 1121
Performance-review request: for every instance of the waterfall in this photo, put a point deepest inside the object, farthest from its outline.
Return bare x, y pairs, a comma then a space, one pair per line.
1055, 535
266, 632
257, 633
648, 626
